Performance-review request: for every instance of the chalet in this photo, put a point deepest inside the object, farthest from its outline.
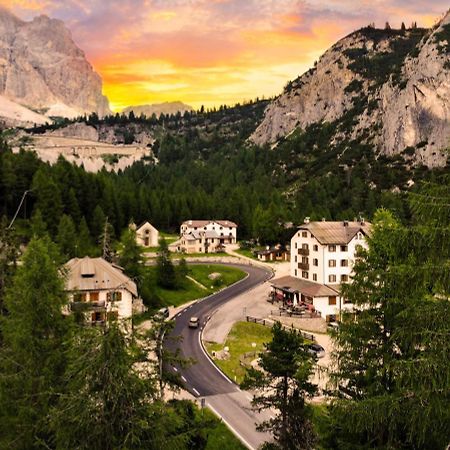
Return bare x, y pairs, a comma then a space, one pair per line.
224, 229
205, 236
322, 258
276, 253
100, 290
147, 235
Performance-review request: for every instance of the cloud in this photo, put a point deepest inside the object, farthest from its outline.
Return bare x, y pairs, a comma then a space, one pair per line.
213, 51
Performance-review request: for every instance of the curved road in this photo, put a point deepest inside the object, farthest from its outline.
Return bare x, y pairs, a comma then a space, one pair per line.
204, 379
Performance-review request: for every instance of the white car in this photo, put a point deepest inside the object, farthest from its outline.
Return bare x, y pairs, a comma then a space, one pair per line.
316, 350
193, 322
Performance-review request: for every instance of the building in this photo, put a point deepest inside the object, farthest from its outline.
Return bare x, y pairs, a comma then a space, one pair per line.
205, 236
147, 235
99, 290
276, 253
322, 257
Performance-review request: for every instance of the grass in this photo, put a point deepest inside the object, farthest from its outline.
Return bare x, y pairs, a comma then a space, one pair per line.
219, 437
189, 290
169, 238
239, 341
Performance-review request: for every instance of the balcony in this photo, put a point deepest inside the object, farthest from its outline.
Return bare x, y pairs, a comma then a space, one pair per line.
88, 306
303, 266
303, 251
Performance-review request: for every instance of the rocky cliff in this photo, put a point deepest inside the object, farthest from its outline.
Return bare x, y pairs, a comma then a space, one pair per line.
388, 88
42, 69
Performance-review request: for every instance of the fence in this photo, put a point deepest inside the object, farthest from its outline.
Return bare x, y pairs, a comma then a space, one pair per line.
269, 323
293, 312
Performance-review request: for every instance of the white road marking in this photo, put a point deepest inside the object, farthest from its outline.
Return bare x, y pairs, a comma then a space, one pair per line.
231, 428
195, 390
176, 370
215, 367
250, 397
184, 379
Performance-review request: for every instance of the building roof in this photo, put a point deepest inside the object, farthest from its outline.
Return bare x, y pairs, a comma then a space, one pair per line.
336, 232
305, 287
90, 274
142, 225
196, 235
203, 223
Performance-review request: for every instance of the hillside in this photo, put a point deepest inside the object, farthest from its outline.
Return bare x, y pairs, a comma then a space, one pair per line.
387, 88
158, 109
42, 70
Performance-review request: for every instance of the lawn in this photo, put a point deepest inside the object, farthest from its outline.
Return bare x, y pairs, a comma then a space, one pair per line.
190, 290
239, 341
169, 238
249, 252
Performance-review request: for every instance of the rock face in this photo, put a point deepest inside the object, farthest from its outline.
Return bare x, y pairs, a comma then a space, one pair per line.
42, 69
159, 108
389, 88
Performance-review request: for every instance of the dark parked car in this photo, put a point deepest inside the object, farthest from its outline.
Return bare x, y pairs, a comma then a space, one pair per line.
316, 350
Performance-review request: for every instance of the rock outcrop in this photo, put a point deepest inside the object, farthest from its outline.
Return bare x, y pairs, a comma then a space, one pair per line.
43, 70
159, 108
389, 88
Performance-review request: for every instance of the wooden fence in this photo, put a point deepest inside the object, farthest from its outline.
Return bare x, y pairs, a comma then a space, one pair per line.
269, 323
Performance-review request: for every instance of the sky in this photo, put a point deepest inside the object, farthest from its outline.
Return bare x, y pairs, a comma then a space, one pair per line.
213, 52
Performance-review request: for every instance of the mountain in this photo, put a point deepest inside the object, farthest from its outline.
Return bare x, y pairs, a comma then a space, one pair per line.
159, 108
42, 69
386, 88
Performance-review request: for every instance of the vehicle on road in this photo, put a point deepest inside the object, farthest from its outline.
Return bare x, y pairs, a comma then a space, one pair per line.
193, 322
163, 313
333, 326
316, 350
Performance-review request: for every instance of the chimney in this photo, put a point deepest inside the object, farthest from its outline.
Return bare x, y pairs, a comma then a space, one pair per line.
323, 219
190, 222
345, 223
362, 220
306, 219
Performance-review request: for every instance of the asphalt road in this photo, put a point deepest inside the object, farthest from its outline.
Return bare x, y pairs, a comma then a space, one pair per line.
204, 379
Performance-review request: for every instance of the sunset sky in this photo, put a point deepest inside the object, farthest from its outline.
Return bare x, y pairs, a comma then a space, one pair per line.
213, 52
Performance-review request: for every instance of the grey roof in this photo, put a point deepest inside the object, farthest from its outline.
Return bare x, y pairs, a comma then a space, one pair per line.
305, 287
336, 232
203, 223
196, 235
90, 274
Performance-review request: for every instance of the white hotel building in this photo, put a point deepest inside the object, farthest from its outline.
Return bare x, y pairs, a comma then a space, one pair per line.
322, 257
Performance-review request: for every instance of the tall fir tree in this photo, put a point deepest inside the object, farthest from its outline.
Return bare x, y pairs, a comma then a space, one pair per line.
32, 358
67, 237
391, 360
283, 384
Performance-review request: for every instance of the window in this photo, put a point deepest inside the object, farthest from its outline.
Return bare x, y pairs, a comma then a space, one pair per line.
315, 248
331, 248
314, 276
344, 248
296, 245
304, 234
344, 262
344, 278
295, 258
305, 246
79, 297
114, 296
304, 274
315, 262
113, 315
332, 300
295, 272
94, 296
332, 263
332, 278
305, 260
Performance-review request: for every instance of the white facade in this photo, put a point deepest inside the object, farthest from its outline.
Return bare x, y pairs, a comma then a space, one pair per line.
322, 258
99, 290
225, 229
147, 235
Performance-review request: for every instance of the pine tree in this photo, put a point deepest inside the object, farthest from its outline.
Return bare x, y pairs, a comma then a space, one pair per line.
38, 226
130, 255
84, 240
32, 356
9, 252
283, 385
165, 271
67, 237
391, 361
109, 400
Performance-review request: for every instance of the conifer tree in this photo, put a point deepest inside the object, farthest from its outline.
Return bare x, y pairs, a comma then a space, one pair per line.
392, 360
165, 271
32, 357
130, 255
67, 237
283, 384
